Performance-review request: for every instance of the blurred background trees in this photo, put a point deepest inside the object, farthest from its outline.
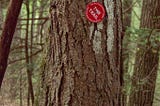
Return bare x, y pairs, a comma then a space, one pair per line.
23, 72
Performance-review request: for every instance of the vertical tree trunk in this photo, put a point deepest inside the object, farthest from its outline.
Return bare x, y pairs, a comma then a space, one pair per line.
32, 34
20, 89
7, 34
29, 71
146, 66
127, 12
84, 60
26, 53
1, 17
21, 74
31, 52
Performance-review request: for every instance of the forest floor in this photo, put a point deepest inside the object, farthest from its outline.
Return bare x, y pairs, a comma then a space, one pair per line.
7, 102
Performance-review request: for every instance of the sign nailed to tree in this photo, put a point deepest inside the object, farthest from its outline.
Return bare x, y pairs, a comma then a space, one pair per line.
95, 12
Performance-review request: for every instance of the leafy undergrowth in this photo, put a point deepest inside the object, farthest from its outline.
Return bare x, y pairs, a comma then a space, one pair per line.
8, 102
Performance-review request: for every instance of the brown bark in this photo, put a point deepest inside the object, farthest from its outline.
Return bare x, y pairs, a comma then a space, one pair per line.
127, 5
84, 59
29, 71
146, 66
31, 53
7, 34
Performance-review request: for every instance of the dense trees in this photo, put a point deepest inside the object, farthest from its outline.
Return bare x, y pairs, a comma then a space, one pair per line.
17, 82
146, 65
127, 11
7, 34
109, 63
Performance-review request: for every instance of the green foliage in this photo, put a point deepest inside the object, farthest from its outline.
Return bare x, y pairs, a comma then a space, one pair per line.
144, 36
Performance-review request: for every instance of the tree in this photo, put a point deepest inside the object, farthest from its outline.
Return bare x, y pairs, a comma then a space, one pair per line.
28, 58
147, 57
83, 65
7, 34
127, 12
1, 16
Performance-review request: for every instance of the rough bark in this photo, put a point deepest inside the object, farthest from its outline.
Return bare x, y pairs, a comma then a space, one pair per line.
7, 34
84, 59
146, 66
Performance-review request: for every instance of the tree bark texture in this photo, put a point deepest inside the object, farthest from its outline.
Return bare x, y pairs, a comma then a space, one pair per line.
84, 59
147, 58
7, 34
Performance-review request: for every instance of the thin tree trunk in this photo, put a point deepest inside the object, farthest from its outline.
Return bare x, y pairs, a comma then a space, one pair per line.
147, 58
21, 74
32, 29
84, 59
1, 16
26, 53
40, 28
31, 51
127, 11
7, 34
29, 73
21, 96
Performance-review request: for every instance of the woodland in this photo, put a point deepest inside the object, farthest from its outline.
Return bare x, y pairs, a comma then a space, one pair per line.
52, 55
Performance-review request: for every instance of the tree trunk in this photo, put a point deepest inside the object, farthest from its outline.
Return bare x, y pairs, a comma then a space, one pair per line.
1, 17
20, 89
29, 71
7, 34
147, 58
127, 12
84, 59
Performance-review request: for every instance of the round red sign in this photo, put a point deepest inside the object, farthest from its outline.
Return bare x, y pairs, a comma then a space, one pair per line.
95, 12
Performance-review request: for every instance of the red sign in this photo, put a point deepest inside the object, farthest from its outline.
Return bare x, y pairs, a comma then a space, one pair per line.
95, 12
